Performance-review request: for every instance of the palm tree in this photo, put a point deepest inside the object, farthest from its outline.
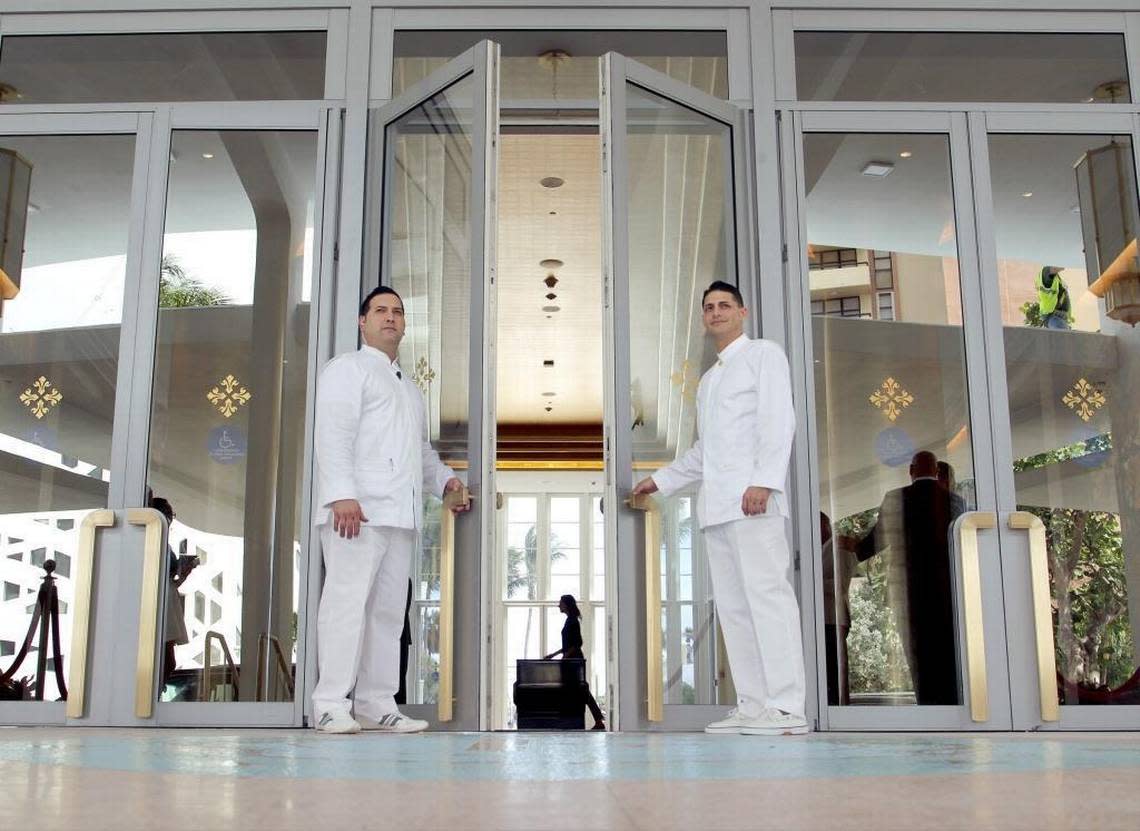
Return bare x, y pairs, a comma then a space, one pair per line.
177, 289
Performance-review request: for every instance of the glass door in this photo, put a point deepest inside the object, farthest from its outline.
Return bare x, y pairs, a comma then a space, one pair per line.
73, 198
1057, 230
676, 216
904, 568
430, 222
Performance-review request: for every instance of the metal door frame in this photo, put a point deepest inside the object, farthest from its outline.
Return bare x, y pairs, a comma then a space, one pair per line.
626, 617
994, 681
475, 530
1029, 710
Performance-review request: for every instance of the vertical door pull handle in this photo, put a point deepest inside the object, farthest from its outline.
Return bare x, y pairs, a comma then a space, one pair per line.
643, 502
446, 703
149, 600
970, 568
1042, 611
81, 607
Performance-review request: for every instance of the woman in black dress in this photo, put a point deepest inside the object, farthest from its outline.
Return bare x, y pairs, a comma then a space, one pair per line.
572, 648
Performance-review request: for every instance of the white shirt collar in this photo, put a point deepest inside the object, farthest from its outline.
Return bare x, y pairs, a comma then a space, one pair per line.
919, 478
393, 365
735, 346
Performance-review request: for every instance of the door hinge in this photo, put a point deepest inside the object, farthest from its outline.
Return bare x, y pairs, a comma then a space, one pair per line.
796, 561
784, 252
336, 252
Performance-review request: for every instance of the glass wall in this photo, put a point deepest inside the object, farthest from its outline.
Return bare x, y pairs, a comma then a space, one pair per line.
227, 430
961, 66
63, 260
557, 71
896, 461
1065, 223
206, 66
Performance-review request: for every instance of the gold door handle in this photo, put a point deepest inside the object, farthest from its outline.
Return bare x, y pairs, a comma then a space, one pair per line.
968, 526
154, 522
1042, 611
654, 682
81, 605
452, 499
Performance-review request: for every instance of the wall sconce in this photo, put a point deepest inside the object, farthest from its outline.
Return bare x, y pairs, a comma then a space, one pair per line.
15, 185
1106, 188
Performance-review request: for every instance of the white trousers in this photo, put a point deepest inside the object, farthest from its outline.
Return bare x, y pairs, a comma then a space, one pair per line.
750, 561
360, 620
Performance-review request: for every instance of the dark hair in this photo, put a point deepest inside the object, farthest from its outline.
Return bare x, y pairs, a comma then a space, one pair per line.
376, 292
720, 285
571, 605
163, 506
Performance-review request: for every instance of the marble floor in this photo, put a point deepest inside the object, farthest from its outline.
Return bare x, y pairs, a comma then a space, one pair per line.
85, 778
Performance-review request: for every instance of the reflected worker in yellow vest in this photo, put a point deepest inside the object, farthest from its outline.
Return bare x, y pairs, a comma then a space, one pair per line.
1053, 299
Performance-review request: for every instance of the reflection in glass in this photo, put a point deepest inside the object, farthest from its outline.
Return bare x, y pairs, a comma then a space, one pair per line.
895, 451
680, 240
59, 347
227, 428
200, 66
426, 258
1072, 361
961, 66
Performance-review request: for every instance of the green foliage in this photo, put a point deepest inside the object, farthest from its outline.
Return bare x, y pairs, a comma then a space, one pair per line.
1086, 572
1031, 310
177, 289
522, 564
876, 662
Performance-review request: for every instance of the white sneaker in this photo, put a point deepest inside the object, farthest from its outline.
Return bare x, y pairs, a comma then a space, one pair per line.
773, 722
337, 722
392, 723
734, 722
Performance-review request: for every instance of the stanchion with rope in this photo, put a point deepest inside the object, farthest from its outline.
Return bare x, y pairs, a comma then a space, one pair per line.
45, 618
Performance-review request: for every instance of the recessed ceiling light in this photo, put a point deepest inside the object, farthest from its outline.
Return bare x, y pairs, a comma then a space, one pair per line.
551, 281
554, 213
549, 394
548, 409
878, 169
207, 155
548, 362
906, 154
552, 308
1027, 194
552, 263
551, 296
552, 182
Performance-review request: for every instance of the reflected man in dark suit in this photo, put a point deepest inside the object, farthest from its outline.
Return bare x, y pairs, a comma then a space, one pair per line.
913, 533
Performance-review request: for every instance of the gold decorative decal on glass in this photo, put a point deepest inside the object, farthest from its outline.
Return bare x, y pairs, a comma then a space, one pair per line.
41, 397
1084, 399
687, 379
424, 374
891, 398
231, 396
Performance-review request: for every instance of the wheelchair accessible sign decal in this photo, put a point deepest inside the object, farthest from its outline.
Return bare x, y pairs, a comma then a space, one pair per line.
227, 444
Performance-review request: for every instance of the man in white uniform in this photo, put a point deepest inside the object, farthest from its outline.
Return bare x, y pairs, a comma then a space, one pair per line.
746, 424
373, 461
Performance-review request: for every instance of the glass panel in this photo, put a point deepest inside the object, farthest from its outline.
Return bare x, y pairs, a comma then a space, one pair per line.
1065, 211
208, 66
559, 69
960, 66
426, 258
227, 423
598, 584
522, 549
63, 257
895, 449
680, 240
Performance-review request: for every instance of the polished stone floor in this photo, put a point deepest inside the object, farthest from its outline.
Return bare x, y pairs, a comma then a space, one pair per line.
275, 779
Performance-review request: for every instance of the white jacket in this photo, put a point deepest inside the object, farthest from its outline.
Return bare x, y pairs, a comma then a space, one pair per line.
745, 422
372, 441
